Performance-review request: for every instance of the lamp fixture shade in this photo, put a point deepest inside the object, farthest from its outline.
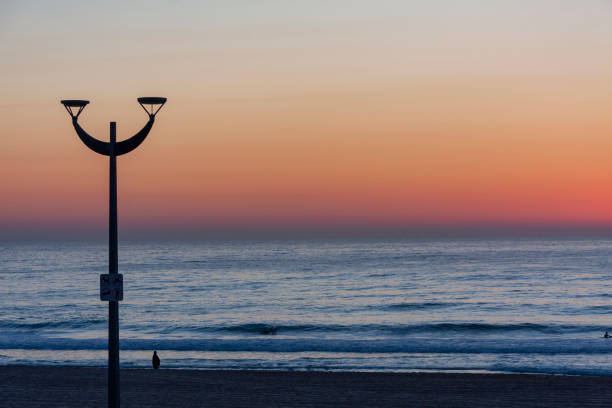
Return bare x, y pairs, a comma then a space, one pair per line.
155, 103
75, 104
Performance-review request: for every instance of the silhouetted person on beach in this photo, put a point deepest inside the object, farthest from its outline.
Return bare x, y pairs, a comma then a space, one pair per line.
606, 335
156, 361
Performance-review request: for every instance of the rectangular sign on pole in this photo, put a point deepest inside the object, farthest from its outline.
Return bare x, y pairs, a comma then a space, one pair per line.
111, 286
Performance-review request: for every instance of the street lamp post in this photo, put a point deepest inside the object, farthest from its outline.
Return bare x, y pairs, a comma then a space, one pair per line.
111, 285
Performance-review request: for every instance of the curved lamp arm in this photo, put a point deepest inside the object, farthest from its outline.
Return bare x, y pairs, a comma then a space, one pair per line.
122, 147
94, 144
133, 142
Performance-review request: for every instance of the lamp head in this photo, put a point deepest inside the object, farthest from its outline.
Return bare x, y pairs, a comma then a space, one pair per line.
74, 106
154, 103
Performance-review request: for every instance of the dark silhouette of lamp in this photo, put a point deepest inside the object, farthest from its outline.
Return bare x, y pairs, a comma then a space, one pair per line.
113, 149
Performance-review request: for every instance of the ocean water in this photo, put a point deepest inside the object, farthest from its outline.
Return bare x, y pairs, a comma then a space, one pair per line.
477, 305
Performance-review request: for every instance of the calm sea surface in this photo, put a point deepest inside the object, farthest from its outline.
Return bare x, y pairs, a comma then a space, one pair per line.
459, 305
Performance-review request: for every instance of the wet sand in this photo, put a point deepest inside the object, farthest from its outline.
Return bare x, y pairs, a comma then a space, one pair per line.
86, 387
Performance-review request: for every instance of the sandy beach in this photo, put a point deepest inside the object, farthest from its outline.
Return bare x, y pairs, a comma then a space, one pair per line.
85, 387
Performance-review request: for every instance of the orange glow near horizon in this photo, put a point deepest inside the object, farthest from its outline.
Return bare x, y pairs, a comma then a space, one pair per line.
301, 123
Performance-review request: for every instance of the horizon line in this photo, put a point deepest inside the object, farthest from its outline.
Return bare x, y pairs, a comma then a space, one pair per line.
313, 232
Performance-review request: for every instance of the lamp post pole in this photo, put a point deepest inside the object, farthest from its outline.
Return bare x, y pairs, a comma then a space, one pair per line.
111, 285
113, 268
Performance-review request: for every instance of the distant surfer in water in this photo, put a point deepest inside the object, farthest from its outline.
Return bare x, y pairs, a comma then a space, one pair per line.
606, 335
156, 361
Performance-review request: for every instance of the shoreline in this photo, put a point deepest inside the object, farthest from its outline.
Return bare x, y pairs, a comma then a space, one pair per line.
314, 370
73, 386
299, 370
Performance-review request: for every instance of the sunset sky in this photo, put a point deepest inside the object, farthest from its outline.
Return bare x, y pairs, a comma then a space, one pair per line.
308, 115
